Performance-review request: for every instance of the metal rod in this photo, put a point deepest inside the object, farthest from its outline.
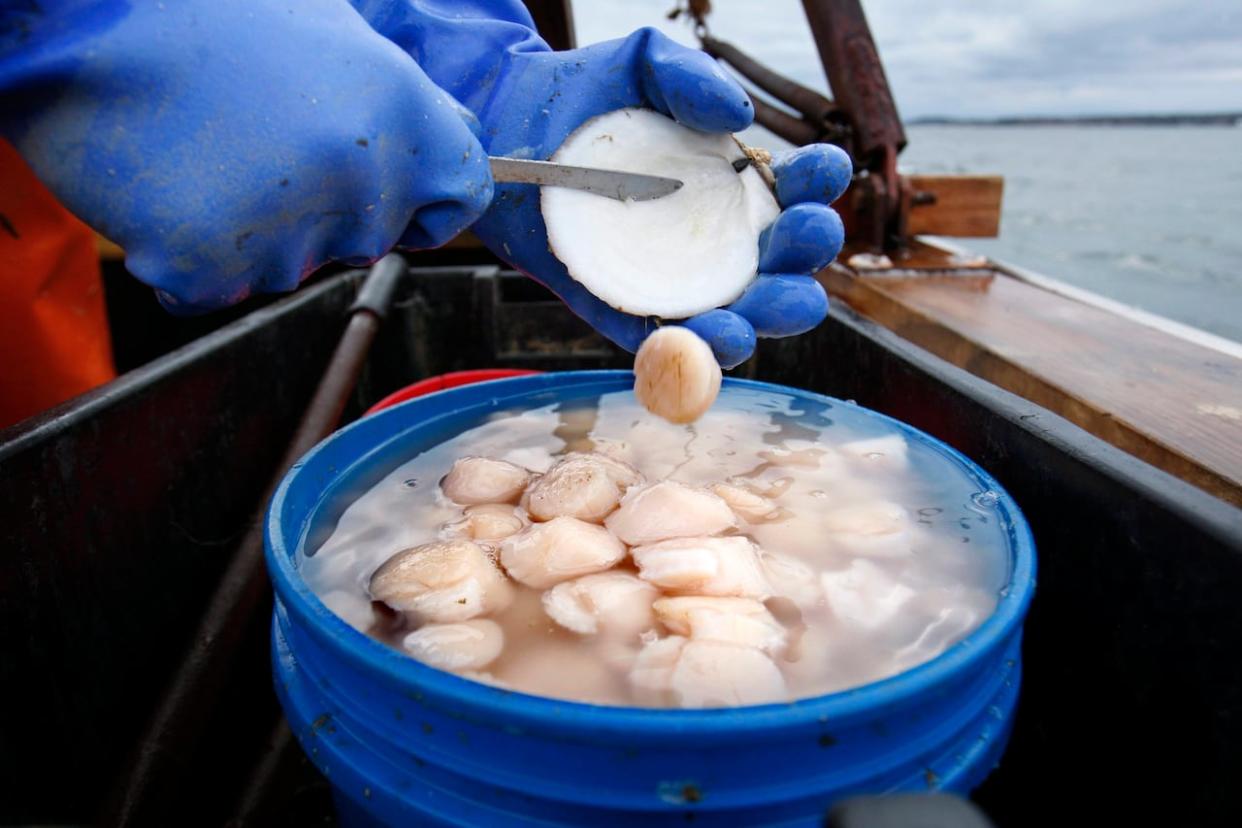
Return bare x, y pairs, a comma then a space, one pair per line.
808, 102
259, 782
154, 779
855, 73
794, 130
856, 77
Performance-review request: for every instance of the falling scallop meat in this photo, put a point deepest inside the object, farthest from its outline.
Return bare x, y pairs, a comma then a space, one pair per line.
676, 376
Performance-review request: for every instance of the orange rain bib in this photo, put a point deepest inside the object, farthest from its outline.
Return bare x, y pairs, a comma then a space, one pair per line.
53, 322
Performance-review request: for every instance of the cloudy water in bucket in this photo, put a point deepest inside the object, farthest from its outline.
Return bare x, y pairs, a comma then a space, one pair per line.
871, 554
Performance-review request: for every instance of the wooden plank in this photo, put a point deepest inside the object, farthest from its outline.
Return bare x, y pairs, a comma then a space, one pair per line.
1171, 402
918, 259
960, 205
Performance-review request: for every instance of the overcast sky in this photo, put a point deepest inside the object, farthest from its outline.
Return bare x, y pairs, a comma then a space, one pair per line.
993, 57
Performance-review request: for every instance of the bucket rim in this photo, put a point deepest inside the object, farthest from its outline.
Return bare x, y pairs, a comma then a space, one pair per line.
483, 702
444, 382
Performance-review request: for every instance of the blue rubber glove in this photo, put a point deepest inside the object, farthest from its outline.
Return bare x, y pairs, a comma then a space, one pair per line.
232, 146
528, 99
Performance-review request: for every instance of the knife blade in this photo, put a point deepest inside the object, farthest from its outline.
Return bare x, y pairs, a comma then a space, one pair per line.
623, 186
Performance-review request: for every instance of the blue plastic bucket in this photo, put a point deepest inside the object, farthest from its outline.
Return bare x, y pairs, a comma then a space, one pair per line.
405, 744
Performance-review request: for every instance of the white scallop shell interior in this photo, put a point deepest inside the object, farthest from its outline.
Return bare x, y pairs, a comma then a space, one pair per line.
671, 257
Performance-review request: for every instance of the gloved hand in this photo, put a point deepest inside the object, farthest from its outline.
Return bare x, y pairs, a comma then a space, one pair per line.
232, 146
528, 99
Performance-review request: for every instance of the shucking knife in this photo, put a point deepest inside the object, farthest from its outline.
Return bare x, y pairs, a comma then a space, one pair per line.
623, 186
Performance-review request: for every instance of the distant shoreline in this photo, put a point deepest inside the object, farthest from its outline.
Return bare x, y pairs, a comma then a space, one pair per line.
1220, 119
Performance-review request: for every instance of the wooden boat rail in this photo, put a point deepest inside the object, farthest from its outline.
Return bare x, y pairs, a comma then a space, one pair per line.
1168, 395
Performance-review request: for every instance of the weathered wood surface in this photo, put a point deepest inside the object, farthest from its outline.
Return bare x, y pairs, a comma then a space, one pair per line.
1173, 403
960, 205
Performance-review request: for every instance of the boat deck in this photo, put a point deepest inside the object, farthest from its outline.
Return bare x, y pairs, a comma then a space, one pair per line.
1169, 395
